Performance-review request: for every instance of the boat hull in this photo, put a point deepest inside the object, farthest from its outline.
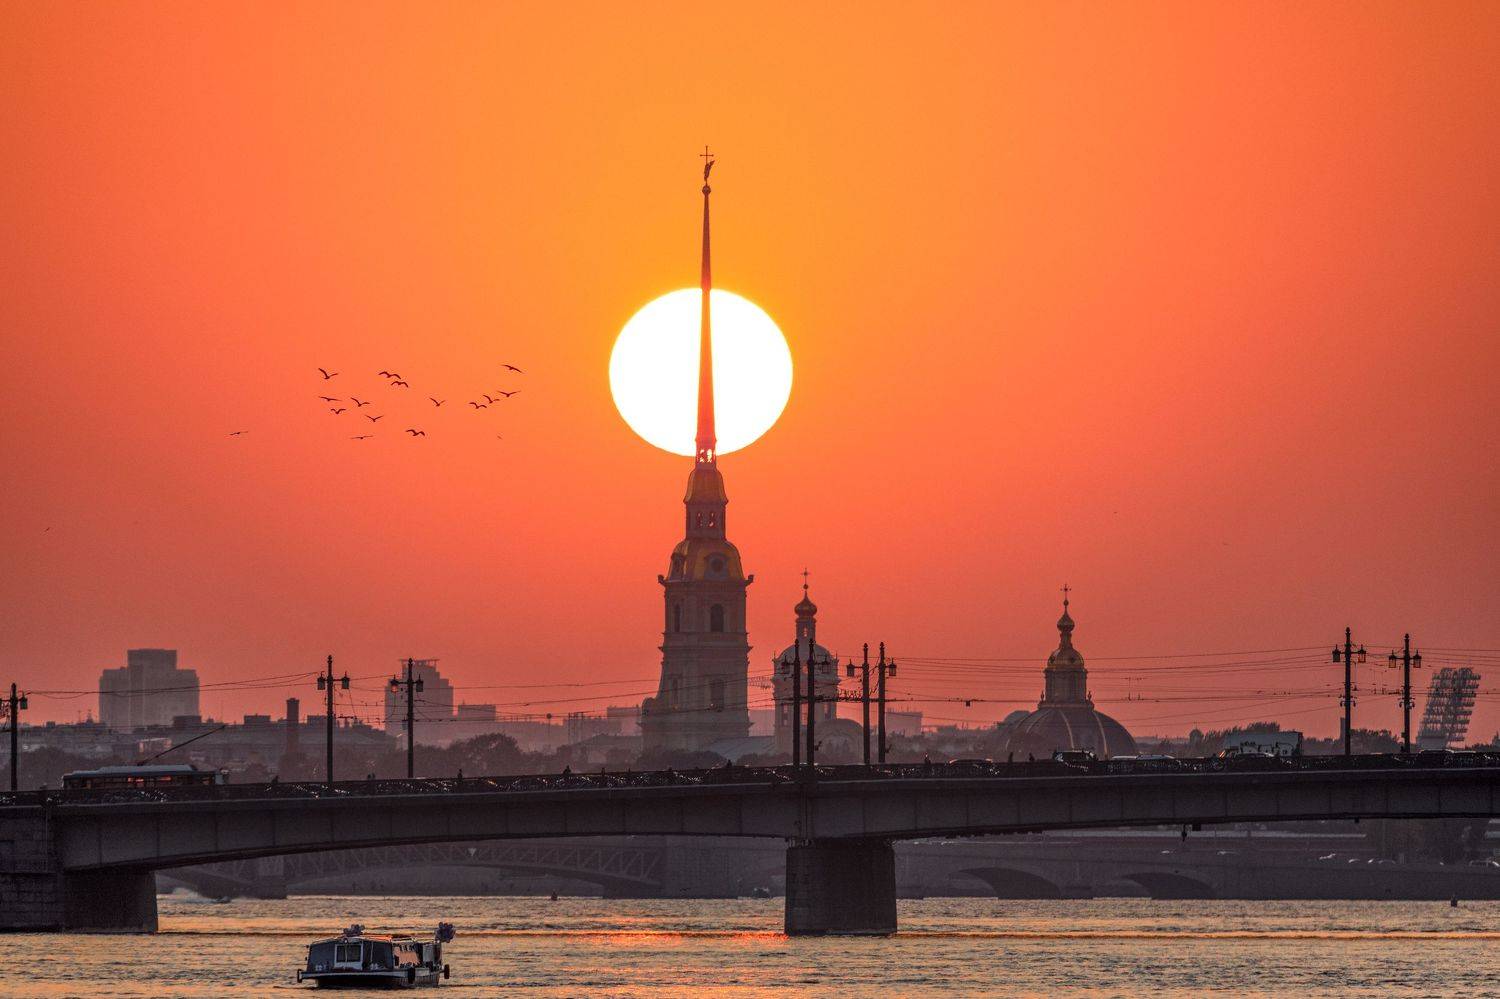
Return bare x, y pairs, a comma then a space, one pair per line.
373, 979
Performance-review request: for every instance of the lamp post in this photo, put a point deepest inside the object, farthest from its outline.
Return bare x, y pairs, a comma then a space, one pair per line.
812, 703
864, 698
1406, 660
883, 669
1348, 655
326, 683
796, 704
14, 705
413, 687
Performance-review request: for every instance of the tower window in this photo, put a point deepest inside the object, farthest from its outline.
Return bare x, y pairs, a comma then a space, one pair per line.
716, 617
677, 617
716, 695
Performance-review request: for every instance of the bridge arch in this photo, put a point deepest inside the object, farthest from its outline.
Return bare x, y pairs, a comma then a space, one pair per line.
1171, 885
1013, 882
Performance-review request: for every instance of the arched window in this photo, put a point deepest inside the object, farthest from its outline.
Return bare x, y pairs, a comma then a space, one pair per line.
677, 617
716, 617
716, 695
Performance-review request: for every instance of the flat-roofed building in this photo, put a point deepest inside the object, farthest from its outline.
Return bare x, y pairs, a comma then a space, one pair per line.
148, 690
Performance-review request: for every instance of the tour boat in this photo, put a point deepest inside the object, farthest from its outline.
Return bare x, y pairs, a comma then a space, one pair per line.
358, 960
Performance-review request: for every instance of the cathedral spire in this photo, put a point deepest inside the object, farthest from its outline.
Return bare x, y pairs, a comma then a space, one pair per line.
706, 442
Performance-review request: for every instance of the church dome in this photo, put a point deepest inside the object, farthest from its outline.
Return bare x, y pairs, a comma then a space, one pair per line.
805, 607
802, 650
705, 485
705, 558
1068, 726
1066, 717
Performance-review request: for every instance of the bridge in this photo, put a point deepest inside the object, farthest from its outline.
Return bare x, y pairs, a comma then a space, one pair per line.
619, 866
83, 860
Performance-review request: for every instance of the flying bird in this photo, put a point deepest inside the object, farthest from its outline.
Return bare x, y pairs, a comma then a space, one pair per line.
512, 367
362, 437
416, 433
338, 410
374, 419
398, 383
389, 374
357, 402
326, 373
487, 399
236, 433
505, 393
437, 402
328, 398
479, 405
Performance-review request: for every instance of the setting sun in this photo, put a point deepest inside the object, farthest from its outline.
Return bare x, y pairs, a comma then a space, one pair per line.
653, 371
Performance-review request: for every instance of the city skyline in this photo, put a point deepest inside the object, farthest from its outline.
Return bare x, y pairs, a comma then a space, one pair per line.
1231, 416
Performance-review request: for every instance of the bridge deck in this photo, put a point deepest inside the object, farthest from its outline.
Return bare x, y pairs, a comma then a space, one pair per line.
146, 829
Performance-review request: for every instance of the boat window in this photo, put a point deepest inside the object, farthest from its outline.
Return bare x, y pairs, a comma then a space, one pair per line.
320, 954
347, 953
380, 955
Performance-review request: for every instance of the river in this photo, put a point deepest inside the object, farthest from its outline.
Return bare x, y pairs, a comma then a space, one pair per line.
946, 947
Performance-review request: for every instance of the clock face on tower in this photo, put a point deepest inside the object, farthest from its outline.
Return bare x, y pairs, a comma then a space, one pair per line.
716, 566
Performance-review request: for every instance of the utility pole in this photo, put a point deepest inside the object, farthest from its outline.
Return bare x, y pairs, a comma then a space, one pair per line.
796, 704
14, 705
864, 698
883, 669
1407, 661
1348, 655
325, 683
413, 687
812, 704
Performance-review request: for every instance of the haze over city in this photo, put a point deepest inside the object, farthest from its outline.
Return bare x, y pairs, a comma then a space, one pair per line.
845, 499
1193, 311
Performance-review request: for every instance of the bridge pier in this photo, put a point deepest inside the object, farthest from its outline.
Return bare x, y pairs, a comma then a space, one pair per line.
37, 895
841, 887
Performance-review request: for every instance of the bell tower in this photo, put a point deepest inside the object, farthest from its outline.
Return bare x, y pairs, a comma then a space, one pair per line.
703, 693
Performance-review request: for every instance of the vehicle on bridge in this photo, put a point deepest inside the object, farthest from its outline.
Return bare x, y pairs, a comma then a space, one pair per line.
1283, 743
360, 960
163, 775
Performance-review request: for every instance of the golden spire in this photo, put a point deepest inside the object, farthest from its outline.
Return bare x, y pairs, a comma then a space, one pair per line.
706, 440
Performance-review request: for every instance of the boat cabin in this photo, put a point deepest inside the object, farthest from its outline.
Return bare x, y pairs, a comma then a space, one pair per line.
355, 957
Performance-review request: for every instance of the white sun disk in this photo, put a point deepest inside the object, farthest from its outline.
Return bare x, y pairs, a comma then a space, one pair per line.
653, 371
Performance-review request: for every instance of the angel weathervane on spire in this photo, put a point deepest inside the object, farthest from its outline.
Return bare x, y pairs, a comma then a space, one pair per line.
708, 164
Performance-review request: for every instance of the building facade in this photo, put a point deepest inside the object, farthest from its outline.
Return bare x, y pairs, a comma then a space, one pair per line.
148, 690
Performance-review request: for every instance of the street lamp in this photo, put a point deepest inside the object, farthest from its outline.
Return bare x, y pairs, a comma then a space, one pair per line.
413, 687
1408, 662
14, 705
326, 683
1348, 655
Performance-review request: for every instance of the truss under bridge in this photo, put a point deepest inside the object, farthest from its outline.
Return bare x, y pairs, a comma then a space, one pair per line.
617, 868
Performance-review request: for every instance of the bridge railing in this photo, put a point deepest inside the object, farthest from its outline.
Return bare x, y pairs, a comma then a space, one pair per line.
729, 775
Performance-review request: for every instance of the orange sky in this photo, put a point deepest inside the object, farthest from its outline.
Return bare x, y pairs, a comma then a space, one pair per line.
1191, 306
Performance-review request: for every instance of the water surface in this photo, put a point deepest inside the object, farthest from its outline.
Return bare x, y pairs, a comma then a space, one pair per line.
947, 947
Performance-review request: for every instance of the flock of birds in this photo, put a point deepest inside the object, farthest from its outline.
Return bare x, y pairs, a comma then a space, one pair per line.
339, 405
